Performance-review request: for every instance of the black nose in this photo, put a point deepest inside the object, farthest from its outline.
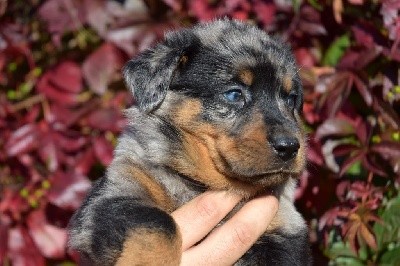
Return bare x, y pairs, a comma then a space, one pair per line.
285, 147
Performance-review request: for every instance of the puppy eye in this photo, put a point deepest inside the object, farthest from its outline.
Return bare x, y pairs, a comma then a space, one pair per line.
291, 100
235, 95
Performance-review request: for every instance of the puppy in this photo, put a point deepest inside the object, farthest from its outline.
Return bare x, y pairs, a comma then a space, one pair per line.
217, 108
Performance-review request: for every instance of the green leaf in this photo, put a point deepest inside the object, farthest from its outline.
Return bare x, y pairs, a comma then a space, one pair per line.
355, 169
340, 249
316, 5
389, 231
296, 5
391, 257
336, 50
347, 261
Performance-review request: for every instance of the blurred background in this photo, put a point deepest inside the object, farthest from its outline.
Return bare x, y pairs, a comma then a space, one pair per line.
62, 96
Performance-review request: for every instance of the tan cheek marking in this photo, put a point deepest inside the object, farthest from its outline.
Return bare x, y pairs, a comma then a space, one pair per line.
301, 155
148, 247
250, 150
185, 112
256, 130
300, 161
287, 83
201, 162
198, 163
246, 76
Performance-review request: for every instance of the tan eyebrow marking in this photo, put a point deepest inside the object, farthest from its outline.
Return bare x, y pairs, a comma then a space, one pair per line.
287, 83
183, 60
246, 76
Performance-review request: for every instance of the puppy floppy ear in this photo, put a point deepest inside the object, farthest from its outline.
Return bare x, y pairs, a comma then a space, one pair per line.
149, 75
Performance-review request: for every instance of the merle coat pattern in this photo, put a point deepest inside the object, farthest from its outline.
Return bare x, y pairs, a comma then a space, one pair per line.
217, 107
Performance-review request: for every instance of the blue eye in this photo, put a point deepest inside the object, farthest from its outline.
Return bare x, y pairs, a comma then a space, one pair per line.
235, 95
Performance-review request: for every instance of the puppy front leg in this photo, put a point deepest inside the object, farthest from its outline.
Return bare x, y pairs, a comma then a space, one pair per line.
149, 236
124, 230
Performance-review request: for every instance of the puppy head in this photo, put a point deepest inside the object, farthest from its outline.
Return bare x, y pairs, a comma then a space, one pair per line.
233, 94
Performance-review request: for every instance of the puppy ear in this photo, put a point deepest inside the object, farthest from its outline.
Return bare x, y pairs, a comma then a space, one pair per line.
149, 75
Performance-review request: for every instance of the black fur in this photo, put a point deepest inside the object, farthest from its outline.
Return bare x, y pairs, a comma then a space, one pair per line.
279, 249
180, 87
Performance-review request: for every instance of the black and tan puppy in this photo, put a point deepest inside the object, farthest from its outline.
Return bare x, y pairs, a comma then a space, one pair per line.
217, 107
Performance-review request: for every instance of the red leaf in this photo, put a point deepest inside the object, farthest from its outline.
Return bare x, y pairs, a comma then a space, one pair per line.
68, 116
342, 189
357, 60
363, 90
101, 66
205, 11
98, 17
338, 87
68, 190
106, 119
84, 161
48, 87
67, 76
48, 153
4, 227
314, 152
304, 58
362, 130
103, 150
312, 28
265, 11
388, 114
344, 149
310, 114
310, 21
22, 140
70, 144
350, 161
334, 127
387, 149
62, 83
176, 5
62, 15
104, 16
13, 204
22, 250
373, 167
329, 218
50, 239
367, 35
302, 185
390, 13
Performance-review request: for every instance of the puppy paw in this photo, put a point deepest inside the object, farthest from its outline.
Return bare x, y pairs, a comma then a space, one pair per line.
150, 246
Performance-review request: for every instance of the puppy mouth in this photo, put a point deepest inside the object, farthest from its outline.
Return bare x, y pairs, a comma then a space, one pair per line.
257, 175
270, 177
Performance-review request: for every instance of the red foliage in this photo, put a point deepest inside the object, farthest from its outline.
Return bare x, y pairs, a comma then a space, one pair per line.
62, 97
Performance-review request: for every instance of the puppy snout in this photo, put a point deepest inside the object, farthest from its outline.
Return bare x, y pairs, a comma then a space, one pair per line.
286, 147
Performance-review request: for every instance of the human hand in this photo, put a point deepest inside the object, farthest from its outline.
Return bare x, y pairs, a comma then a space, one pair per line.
227, 243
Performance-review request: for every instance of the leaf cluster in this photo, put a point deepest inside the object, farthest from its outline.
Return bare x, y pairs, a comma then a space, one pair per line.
62, 96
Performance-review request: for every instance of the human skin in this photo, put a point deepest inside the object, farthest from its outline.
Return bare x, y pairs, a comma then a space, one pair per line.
227, 243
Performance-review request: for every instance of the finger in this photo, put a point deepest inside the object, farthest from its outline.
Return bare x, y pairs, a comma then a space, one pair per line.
226, 244
200, 215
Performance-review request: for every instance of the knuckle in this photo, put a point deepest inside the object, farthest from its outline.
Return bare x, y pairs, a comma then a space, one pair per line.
244, 235
206, 209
